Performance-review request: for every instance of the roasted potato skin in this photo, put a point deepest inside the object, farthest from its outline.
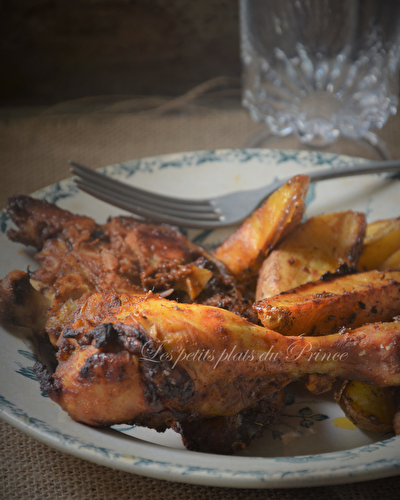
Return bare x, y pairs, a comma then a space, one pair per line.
330, 304
392, 262
322, 244
368, 407
245, 250
382, 241
375, 227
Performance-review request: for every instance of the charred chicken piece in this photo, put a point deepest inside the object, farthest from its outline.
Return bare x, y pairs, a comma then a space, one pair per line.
226, 435
79, 257
23, 305
154, 362
39, 221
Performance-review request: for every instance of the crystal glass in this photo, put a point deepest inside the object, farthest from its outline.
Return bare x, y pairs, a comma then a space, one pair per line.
320, 69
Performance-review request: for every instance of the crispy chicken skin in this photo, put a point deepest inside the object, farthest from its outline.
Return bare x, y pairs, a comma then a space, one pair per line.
38, 221
79, 257
226, 435
153, 362
23, 305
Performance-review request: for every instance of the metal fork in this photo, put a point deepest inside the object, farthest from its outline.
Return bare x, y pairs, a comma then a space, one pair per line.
205, 213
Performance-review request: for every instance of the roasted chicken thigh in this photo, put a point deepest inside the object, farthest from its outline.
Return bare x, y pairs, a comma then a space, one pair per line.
79, 257
152, 361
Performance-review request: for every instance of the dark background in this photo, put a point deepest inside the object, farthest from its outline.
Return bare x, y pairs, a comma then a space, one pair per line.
56, 50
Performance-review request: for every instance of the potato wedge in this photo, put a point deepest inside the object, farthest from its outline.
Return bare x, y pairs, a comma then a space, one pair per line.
245, 250
321, 244
330, 304
392, 262
376, 227
195, 282
368, 407
318, 383
380, 245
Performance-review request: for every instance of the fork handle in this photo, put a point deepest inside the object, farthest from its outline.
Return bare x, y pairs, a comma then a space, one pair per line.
323, 175
364, 168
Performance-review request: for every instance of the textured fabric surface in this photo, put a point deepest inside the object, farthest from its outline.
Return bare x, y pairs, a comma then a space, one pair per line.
34, 150
31, 470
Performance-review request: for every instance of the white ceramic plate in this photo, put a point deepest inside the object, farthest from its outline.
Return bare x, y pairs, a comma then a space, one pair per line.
311, 445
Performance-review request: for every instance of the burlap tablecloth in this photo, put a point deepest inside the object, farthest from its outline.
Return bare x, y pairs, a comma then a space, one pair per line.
34, 149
